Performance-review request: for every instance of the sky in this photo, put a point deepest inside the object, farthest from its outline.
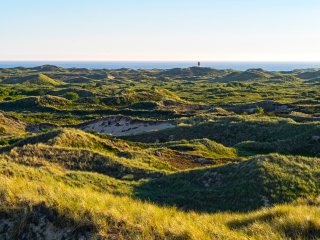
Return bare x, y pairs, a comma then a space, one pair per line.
160, 30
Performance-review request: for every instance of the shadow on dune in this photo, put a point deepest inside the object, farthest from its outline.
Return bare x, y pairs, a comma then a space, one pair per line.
259, 182
233, 187
31, 222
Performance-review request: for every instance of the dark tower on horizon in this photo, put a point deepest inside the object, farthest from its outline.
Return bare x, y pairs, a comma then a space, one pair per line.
199, 64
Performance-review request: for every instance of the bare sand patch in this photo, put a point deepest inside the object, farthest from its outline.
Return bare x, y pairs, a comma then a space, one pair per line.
124, 126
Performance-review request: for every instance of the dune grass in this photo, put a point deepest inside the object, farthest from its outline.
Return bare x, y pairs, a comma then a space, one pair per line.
245, 186
121, 217
204, 179
201, 147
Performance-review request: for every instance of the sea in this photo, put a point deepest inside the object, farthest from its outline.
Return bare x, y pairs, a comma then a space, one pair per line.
269, 66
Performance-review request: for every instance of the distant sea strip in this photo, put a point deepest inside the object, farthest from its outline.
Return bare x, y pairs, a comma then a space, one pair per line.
269, 66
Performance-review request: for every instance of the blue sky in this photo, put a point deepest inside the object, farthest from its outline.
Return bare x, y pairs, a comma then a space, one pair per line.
224, 30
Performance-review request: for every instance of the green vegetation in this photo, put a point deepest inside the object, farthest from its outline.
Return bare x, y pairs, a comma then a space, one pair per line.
201, 147
71, 96
37, 79
258, 182
203, 154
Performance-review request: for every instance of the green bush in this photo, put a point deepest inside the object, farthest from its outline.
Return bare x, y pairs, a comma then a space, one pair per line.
71, 96
259, 110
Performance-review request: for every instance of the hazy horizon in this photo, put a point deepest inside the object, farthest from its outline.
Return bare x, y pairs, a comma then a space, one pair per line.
123, 30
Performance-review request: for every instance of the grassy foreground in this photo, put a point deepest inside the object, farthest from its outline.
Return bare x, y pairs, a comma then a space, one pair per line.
29, 193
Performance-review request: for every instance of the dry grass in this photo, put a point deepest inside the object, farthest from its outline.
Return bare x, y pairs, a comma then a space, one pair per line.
121, 217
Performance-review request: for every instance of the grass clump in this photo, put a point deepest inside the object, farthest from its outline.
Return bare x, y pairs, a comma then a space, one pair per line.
202, 147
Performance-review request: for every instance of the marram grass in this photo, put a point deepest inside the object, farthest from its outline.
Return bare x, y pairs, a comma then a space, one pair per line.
127, 218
